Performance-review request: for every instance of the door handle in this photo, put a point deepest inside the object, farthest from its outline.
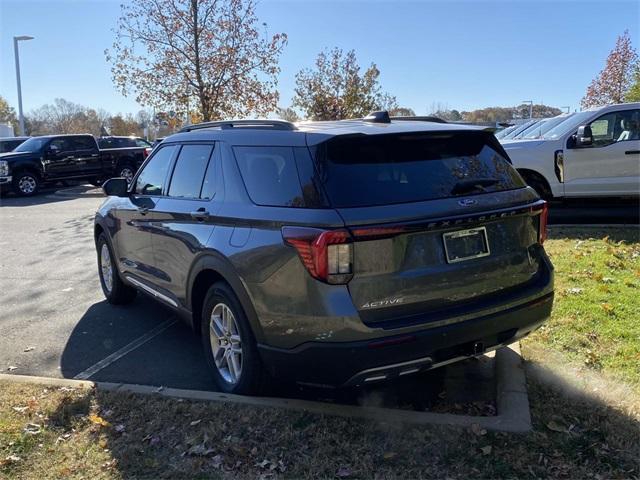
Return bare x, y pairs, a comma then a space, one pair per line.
201, 214
143, 210
632, 152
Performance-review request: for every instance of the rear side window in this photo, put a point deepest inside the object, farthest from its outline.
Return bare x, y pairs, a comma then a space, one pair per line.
188, 173
84, 143
125, 143
151, 179
359, 171
270, 175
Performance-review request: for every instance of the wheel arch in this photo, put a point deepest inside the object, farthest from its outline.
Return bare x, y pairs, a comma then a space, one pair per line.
207, 270
527, 173
27, 167
126, 160
97, 231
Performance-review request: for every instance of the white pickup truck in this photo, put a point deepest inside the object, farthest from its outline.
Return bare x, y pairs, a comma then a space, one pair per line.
593, 153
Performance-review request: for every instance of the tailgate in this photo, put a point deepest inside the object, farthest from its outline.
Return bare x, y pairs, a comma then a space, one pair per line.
432, 265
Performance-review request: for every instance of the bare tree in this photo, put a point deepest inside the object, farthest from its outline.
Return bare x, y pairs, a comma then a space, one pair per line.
207, 54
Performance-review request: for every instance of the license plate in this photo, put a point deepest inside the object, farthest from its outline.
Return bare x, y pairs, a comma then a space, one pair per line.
466, 244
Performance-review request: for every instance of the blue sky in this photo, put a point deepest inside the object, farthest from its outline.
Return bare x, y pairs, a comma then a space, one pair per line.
464, 54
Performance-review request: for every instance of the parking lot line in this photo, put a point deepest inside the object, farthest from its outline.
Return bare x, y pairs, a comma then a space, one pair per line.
115, 356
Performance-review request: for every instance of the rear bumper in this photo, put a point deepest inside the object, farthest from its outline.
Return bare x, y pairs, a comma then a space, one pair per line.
363, 362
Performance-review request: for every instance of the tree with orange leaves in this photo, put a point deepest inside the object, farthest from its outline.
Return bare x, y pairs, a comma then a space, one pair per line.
613, 83
206, 56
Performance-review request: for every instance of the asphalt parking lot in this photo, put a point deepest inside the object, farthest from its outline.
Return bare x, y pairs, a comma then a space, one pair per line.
54, 321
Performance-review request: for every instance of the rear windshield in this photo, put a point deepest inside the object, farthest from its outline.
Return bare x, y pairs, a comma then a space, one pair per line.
359, 171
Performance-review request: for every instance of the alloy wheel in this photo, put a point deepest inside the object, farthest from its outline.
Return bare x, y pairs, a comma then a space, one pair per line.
106, 268
27, 184
127, 174
226, 344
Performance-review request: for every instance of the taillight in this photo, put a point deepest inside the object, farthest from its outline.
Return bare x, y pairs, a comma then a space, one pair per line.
146, 152
326, 254
544, 218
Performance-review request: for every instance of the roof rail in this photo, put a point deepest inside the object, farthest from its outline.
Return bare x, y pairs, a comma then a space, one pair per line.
378, 117
421, 119
225, 124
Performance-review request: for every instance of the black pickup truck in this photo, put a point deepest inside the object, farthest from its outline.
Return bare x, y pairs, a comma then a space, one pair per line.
54, 158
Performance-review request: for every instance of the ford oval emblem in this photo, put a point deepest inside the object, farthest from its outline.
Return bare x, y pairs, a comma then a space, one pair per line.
467, 202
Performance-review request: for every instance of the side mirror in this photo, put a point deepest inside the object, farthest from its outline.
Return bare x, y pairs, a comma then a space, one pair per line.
584, 137
116, 187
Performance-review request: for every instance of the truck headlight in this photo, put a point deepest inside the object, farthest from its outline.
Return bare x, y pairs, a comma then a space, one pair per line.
4, 168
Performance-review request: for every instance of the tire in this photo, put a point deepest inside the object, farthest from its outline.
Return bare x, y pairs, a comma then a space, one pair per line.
126, 171
114, 289
252, 376
26, 183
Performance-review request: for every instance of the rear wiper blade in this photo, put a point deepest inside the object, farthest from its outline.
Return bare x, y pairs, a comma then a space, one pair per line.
473, 184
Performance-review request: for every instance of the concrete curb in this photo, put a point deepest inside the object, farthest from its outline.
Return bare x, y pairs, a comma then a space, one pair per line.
78, 191
513, 403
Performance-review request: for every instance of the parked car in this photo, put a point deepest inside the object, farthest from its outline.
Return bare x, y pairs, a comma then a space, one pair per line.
53, 158
520, 128
330, 253
538, 131
592, 154
7, 144
505, 131
532, 128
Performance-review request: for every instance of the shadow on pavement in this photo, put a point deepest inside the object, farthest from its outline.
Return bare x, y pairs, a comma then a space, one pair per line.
174, 358
45, 196
606, 211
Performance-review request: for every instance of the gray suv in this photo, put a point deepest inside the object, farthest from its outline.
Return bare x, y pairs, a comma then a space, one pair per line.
330, 253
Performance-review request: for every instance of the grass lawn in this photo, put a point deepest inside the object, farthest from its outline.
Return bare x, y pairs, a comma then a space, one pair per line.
596, 314
67, 433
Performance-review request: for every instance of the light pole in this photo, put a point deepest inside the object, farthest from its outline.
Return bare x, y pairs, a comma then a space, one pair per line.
15, 51
530, 102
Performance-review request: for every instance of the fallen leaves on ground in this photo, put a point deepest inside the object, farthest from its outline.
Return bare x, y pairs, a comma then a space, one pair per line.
98, 420
556, 426
10, 459
32, 429
478, 430
343, 472
486, 450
